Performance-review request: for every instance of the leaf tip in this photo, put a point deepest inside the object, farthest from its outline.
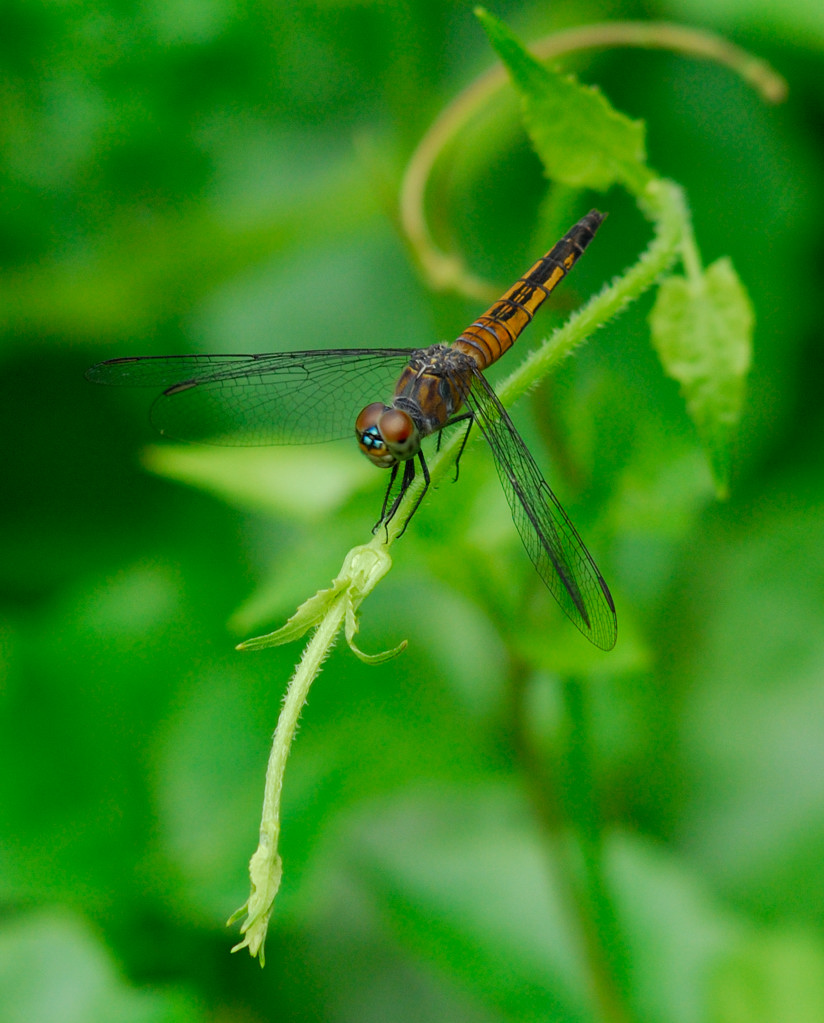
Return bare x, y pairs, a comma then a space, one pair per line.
496, 30
384, 655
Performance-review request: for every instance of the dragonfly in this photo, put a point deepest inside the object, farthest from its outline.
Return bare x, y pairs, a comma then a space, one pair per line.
315, 396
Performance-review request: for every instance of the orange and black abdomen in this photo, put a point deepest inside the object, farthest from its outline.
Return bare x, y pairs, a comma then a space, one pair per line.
498, 329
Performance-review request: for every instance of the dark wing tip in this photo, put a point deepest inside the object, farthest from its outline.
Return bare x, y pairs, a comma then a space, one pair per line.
602, 623
594, 618
607, 641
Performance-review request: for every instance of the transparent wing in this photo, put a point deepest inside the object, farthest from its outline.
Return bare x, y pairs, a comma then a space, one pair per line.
248, 400
552, 542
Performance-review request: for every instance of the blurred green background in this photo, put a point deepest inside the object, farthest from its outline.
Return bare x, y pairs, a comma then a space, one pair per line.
206, 176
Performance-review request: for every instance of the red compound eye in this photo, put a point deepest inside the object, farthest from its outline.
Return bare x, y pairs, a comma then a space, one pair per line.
369, 417
396, 427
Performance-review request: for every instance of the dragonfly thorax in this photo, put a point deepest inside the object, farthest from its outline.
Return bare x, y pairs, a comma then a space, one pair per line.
387, 435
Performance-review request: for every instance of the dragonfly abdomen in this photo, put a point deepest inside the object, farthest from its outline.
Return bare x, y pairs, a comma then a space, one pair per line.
492, 334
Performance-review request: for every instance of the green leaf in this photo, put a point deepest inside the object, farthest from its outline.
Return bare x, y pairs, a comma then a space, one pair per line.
54, 966
581, 141
310, 614
300, 481
702, 329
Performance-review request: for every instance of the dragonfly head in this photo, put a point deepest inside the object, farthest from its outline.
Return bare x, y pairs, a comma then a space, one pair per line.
386, 435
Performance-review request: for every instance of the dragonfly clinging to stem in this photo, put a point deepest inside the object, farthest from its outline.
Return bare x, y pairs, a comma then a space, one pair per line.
308, 397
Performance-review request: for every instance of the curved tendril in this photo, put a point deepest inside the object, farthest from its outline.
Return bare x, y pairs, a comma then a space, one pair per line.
447, 271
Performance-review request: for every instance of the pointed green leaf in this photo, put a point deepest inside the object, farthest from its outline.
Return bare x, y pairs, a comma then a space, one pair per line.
307, 616
581, 141
363, 568
702, 330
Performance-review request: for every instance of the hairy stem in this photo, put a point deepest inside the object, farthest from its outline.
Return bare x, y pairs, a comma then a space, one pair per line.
265, 866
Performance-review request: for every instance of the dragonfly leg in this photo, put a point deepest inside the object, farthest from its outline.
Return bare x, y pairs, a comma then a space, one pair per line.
408, 476
406, 483
384, 517
459, 419
388, 510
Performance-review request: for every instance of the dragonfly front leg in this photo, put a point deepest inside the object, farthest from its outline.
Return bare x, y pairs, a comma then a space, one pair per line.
408, 476
386, 498
389, 511
390, 503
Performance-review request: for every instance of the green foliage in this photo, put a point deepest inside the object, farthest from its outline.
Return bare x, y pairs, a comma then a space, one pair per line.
53, 968
182, 177
581, 140
702, 329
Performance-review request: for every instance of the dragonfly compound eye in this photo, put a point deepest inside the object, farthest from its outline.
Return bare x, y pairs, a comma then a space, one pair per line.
399, 433
386, 435
368, 432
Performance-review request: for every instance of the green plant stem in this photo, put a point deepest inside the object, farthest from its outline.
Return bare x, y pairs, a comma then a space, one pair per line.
583, 815
265, 867
573, 848
690, 256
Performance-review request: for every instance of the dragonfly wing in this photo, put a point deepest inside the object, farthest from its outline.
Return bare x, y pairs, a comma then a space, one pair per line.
552, 542
249, 400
